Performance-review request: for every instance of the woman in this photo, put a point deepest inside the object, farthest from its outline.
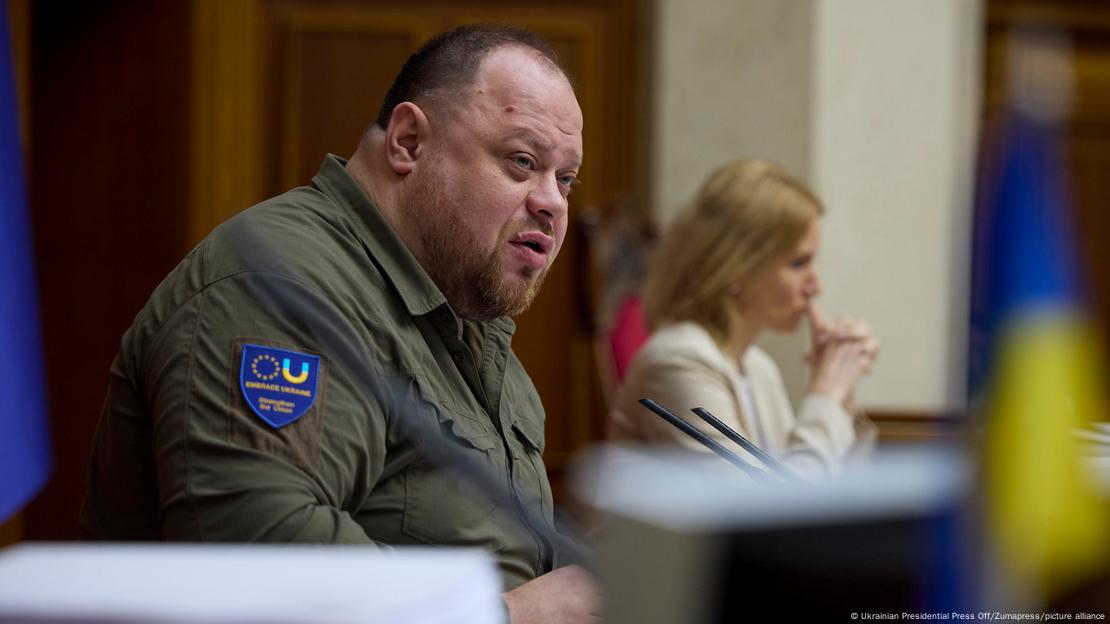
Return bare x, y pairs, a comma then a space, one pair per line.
739, 261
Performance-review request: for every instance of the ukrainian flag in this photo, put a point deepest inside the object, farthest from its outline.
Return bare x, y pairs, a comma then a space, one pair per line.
1035, 364
25, 460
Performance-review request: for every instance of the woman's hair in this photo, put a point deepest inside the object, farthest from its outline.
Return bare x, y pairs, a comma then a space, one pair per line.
747, 214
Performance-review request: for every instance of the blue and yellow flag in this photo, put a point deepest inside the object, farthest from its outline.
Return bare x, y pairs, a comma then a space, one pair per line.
1035, 362
25, 460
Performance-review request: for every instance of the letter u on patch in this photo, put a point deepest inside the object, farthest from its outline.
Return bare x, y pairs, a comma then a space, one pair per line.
264, 364
298, 379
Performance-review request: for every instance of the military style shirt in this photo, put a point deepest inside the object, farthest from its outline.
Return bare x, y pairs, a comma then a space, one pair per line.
244, 404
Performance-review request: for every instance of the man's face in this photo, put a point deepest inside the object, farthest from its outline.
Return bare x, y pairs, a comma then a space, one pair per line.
491, 197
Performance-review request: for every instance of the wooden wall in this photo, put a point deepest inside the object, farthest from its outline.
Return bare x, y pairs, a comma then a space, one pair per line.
108, 179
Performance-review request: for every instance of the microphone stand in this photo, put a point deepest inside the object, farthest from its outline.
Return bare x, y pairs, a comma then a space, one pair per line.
747, 444
705, 440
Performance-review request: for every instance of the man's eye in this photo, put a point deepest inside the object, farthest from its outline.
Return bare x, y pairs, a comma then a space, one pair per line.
568, 181
524, 162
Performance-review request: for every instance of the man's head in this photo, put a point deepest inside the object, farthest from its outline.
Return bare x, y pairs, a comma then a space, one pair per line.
449, 62
481, 161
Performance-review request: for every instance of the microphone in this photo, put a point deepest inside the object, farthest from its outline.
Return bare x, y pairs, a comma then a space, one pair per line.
747, 444
705, 440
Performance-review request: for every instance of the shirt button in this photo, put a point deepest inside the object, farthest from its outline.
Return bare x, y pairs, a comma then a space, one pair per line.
458, 356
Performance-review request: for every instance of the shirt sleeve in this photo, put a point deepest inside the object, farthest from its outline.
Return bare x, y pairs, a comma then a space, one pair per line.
224, 473
822, 435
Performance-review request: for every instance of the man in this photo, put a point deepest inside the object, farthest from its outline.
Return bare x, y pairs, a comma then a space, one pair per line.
242, 405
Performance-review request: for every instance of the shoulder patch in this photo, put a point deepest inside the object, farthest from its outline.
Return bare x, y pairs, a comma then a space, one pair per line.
278, 384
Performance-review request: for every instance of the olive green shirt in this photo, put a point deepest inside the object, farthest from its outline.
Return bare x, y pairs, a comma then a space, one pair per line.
180, 455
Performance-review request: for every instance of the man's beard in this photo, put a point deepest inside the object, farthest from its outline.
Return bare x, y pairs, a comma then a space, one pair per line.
475, 286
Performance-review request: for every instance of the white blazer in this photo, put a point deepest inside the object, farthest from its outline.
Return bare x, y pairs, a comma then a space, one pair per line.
682, 367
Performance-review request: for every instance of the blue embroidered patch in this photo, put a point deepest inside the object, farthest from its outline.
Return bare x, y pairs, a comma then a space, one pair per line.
278, 384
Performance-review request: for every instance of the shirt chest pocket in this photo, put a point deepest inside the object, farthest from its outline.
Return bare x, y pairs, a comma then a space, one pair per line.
528, 466
443, 506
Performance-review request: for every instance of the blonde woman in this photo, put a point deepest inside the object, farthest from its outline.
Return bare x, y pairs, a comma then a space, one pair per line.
735, 263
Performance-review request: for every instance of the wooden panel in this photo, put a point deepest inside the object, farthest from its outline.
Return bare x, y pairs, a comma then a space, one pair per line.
333, 68
918, 427
108, 181
1090, 165
19, 29
225, 174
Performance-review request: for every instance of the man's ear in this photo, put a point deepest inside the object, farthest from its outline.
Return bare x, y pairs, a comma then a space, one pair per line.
405, 136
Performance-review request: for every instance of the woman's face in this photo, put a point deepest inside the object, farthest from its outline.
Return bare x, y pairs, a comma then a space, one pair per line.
780, 296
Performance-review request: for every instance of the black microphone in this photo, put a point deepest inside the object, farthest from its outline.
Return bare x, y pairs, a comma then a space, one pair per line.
705, 440
747, 444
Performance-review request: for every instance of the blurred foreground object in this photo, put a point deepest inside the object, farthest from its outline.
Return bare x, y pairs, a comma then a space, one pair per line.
683, 541
1035, 367
179, 583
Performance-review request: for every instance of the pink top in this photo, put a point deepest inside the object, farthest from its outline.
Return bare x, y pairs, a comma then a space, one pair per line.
628, 334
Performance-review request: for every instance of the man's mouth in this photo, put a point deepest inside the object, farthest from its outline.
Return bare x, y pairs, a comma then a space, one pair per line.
534, 248
536, 241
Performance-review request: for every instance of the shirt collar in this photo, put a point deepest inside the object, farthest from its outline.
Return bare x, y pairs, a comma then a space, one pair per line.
418, 292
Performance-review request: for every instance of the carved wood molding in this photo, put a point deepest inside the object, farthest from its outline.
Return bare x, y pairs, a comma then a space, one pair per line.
918, 426
1067, 14
292, 25
226, 119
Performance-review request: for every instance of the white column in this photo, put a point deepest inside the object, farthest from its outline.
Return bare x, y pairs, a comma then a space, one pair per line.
731, 79
895, 115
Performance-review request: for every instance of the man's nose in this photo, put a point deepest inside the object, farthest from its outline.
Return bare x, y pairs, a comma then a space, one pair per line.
546, 201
